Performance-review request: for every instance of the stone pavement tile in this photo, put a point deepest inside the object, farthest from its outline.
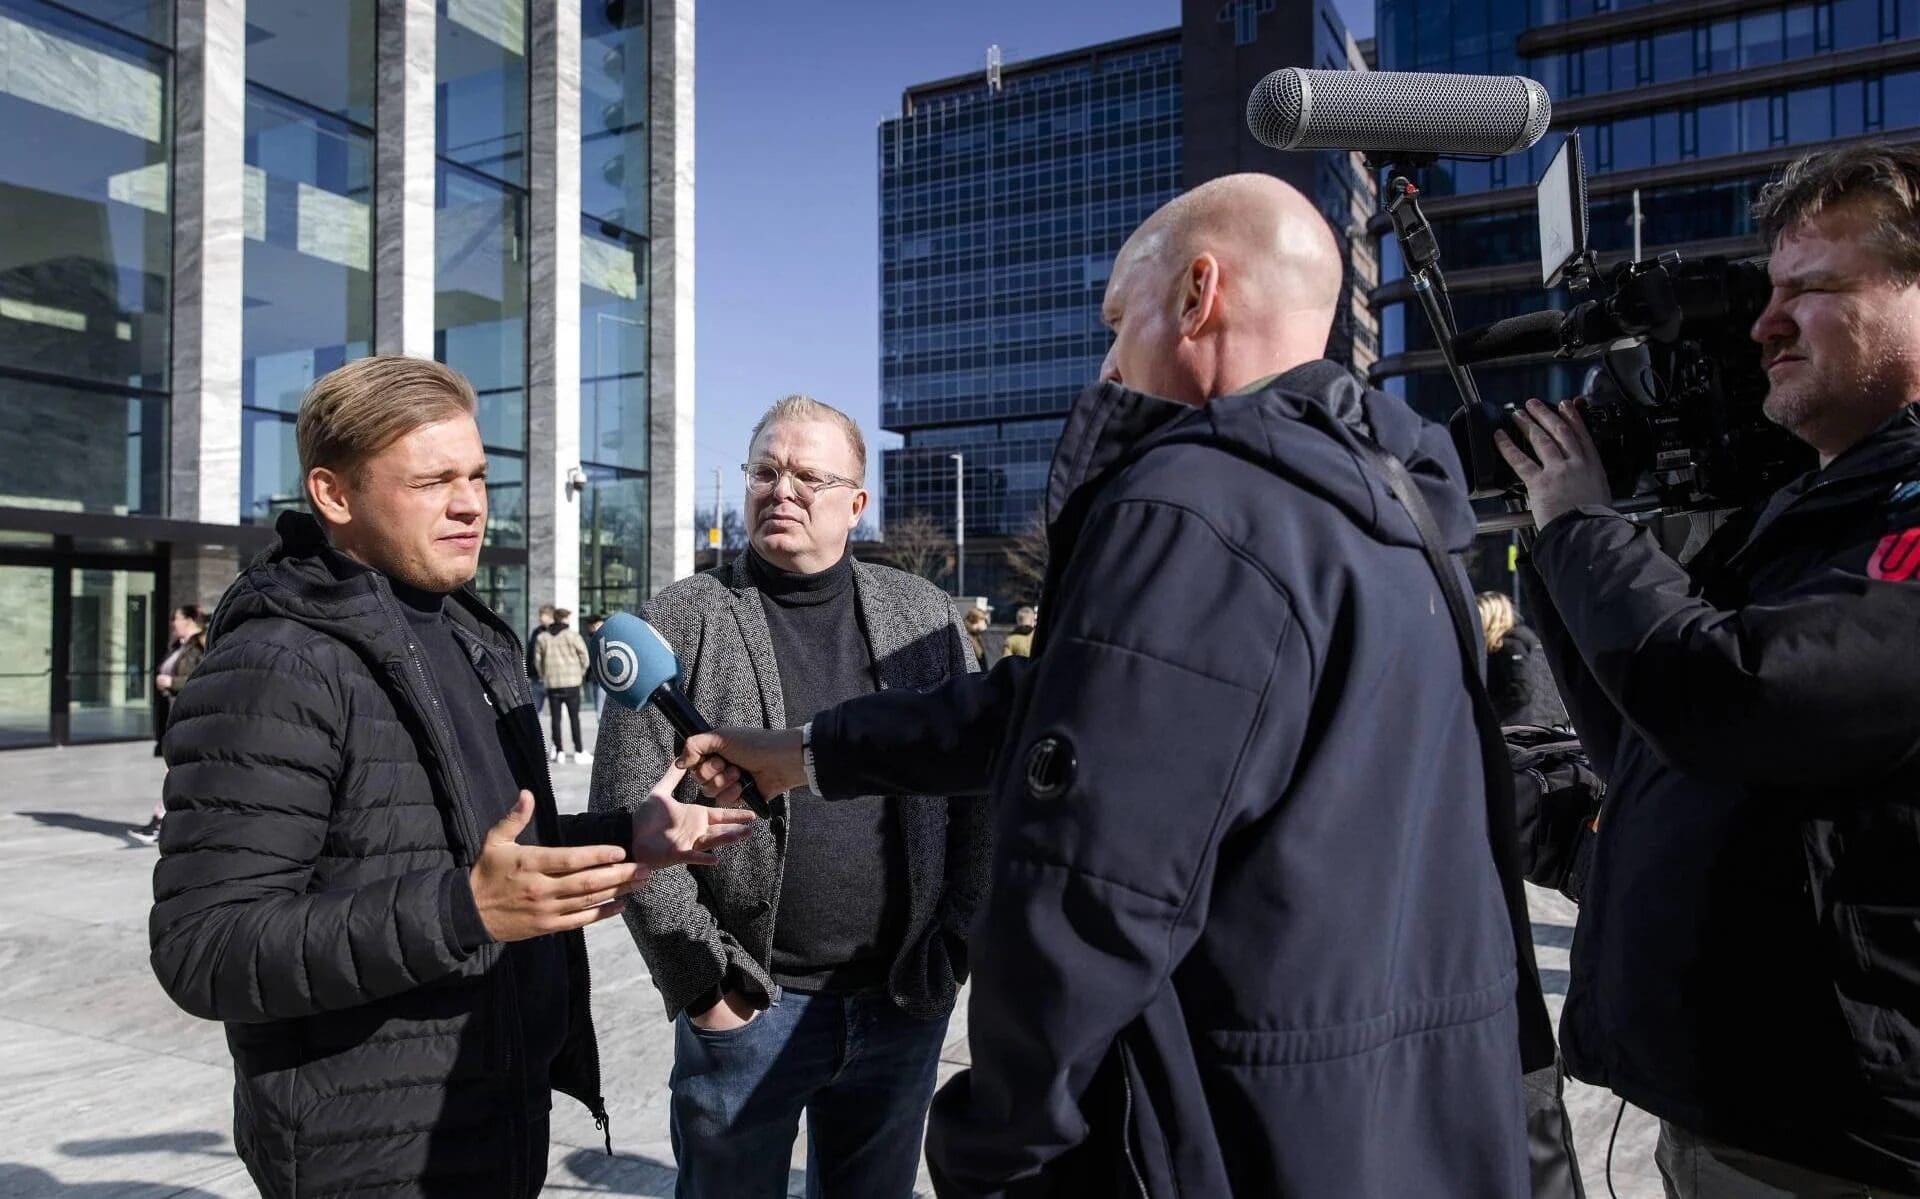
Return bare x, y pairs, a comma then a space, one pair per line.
111, 1091
89, 1117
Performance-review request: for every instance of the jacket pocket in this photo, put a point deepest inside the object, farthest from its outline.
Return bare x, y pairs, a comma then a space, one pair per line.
1878, 988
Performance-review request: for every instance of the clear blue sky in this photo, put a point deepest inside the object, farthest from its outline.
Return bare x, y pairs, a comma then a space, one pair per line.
789, 98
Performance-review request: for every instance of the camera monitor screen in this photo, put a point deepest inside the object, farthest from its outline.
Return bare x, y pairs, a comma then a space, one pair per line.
1562, 196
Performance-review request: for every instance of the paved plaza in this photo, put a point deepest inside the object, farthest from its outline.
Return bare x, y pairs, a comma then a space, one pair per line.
109, 1092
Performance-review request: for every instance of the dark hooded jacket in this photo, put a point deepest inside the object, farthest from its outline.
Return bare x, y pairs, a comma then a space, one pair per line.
312, 893
1747, 961
1245, 934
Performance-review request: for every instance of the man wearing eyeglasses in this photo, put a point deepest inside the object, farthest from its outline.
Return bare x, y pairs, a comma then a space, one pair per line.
815, 967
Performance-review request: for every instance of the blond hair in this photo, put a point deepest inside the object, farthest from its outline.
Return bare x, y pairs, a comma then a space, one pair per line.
800, 407
1497, 617
355, 411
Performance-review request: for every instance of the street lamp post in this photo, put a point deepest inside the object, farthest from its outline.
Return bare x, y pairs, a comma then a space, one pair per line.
959, 523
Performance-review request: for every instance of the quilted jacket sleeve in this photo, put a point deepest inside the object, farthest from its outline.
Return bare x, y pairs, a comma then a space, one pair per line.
255, 752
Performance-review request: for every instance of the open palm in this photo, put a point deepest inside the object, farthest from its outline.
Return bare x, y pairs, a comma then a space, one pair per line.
667, 832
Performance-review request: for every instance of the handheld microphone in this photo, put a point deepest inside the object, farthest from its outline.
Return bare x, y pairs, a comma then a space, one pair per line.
638, 667
1473, 115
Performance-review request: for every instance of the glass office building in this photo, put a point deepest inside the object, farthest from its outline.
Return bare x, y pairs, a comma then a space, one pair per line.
1004, 197
211, 203
1692, 104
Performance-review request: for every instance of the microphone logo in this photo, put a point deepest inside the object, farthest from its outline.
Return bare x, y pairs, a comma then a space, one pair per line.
618, 664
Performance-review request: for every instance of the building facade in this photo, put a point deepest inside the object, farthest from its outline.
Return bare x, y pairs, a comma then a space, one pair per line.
212, 203
1693, 104
1004, 197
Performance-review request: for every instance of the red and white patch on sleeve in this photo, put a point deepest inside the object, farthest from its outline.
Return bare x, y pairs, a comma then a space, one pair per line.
1897, 560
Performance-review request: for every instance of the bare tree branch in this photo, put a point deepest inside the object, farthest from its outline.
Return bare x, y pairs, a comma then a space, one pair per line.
918, 545
1027, 559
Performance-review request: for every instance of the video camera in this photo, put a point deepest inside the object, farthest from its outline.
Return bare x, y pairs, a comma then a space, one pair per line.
1675, 392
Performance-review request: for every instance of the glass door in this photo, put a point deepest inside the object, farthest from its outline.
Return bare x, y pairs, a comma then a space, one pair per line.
26, 656
113, 649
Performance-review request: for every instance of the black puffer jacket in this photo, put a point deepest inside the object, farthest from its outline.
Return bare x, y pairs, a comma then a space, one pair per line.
319, 830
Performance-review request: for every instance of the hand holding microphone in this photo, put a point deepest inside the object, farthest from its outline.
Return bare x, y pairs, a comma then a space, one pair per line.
638, 667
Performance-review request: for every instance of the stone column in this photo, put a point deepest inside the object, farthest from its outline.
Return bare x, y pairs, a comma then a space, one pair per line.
403, 149
553, 304
209, 148
670, 295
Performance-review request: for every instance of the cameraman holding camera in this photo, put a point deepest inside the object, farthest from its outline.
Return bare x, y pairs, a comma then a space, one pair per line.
1747, 959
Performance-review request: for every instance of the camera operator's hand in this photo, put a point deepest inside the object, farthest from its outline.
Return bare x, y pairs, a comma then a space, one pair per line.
1568, 473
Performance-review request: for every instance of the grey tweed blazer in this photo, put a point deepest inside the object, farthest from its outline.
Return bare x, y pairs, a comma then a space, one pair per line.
692, 925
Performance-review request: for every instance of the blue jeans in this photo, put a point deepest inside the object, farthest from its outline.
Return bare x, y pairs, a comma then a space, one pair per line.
860, 1068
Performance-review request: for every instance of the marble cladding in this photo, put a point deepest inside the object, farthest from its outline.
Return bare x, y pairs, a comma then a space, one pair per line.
208, 239
670, 346
403, 178
553, 317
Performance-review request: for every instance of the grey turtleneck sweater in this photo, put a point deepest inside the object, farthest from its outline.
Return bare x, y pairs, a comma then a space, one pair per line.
843, 894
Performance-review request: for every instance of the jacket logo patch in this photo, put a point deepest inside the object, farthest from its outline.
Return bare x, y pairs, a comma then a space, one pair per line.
1050, 767
1897, 558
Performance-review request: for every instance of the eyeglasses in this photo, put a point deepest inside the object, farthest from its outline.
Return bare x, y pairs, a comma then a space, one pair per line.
763, 477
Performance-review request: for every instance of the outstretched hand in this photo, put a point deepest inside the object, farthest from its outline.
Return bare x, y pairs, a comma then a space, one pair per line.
667, 832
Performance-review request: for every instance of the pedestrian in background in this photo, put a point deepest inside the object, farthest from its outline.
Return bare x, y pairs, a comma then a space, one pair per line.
560, 662
533, 670
976, 622
188, 644
596, 693
1020, 641
1519, 681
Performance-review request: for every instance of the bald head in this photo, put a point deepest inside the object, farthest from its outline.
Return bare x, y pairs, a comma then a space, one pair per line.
1233, 281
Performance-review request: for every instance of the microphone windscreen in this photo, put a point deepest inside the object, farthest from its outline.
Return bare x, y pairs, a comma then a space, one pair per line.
633, 659
1296, 108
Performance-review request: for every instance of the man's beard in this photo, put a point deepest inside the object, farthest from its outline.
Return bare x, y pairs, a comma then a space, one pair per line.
1817, 394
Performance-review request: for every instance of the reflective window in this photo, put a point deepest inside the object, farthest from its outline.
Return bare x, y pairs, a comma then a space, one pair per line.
150, 19
613, 349
85, 244
480, 251
480, 297
318, 54
613, 112
613, 539
1856, 23
503, 587
270, 480
1761, 38
481, 64
83, 450
308, 217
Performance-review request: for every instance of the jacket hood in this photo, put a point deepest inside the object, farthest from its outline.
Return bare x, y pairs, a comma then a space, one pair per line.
302, 578
1305, 425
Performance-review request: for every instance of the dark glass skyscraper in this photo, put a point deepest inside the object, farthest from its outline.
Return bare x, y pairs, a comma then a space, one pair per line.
1001, 208
1692, 104
1004, 197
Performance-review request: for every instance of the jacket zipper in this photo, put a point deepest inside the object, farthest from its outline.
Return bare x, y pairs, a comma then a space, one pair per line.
504, 981
598, 1108
1126, 1119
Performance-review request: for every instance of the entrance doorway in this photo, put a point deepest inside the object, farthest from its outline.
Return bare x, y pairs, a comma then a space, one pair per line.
80, 635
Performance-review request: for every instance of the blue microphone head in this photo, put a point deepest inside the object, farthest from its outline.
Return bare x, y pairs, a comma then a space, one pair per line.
633, 659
